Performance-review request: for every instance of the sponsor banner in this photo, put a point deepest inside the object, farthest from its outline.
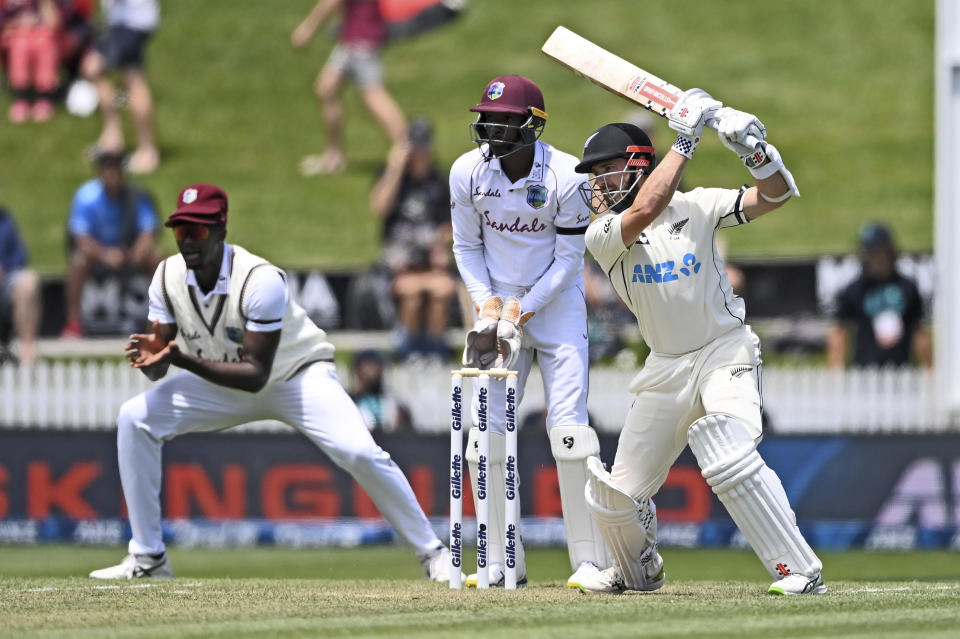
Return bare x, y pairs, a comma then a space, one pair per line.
241, 489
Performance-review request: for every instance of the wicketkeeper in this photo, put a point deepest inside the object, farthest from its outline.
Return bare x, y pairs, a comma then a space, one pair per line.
700, 385
518, 226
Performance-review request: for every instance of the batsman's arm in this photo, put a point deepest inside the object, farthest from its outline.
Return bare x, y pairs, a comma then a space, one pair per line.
653, 197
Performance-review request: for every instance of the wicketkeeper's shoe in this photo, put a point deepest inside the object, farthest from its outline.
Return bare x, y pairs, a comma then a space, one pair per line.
497, 578
436, 565
610, 582
587, 571
137, 567
798, 585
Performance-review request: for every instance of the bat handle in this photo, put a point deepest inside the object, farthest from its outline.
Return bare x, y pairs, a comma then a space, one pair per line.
751, 141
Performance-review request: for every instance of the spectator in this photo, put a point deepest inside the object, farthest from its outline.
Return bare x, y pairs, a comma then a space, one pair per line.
607, 315
413, 199
381, 412
29, 41
112, 225
19, 292
357, 57
883, 307
129, 25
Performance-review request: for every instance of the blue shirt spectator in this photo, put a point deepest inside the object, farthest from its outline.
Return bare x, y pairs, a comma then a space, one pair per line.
13, 254
96, 213
112, 225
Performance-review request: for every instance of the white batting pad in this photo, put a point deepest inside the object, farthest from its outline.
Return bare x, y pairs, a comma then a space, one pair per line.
752, 494
629, 529
496, 497
571, 446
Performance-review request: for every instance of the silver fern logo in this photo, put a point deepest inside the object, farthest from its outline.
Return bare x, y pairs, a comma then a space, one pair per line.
676, 227
739, 371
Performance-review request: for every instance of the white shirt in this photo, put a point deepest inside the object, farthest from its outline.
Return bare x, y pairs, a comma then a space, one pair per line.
672, 278
526, 234
266, 296
142, 15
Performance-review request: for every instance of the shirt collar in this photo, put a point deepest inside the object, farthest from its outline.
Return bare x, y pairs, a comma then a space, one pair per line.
222, 286
536, 171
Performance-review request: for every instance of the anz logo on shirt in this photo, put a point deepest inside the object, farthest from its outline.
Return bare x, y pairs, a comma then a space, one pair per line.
666, 271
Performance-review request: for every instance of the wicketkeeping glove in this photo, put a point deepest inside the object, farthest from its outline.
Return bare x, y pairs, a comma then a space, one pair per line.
481, 343
510, 331
694, 109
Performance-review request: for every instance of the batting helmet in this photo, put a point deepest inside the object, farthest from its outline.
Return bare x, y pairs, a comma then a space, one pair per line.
614, 191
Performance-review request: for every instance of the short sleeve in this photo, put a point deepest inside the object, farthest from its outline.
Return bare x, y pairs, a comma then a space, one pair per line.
724, 207
265, 300
605, 240
158, 310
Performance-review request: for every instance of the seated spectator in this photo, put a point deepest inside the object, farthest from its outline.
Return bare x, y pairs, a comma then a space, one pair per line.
112, 226
28, 39
412, 198
882, 307
19, 293
607, 315
129, 27
381, 412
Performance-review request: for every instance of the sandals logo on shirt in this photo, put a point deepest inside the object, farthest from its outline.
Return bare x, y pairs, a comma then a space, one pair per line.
537, 196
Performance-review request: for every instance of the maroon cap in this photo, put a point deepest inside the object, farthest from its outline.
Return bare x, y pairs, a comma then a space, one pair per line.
512, 94
202, 204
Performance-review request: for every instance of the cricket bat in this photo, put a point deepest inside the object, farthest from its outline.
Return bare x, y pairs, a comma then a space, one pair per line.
615, 74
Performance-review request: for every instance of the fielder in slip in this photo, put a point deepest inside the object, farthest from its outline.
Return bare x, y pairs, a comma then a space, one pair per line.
518, 225
701, 382
247, 352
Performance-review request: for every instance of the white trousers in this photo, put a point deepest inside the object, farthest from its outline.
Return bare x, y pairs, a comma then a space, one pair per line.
674, 391
557, 335
313, 402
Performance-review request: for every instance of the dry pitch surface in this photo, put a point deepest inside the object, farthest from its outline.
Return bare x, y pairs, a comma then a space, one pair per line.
708, 593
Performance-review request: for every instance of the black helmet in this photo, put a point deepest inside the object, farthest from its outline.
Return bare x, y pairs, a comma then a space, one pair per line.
615, 141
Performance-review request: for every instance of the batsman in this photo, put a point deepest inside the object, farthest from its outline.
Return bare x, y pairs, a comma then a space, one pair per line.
700, 385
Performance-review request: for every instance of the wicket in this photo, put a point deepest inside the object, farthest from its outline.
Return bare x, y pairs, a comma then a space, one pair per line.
512, 504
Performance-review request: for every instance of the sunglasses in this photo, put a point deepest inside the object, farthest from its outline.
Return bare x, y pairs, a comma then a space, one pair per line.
196, 232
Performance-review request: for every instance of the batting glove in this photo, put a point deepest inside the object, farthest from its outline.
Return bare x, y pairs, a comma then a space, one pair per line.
694, 109
733, 129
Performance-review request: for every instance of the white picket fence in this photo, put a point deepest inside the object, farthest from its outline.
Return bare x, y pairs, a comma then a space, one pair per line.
85, 396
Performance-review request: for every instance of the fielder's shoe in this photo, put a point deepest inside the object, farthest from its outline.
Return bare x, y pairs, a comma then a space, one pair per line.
798, 585
137, 567
587, 571
497, 578
610, 582
436, 565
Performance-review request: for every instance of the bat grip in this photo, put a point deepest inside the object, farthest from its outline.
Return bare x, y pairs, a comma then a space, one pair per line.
750, 141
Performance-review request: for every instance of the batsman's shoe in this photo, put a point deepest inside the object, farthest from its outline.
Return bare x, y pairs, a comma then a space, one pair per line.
497, 578
436, 565
137, 567
798, 585
587, 571
610, 582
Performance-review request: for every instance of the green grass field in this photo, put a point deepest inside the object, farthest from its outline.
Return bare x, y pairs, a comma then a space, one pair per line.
845, 89
367, 592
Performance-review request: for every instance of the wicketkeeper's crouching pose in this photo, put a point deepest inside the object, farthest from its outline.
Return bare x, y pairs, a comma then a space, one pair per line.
248, 352
700, 383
